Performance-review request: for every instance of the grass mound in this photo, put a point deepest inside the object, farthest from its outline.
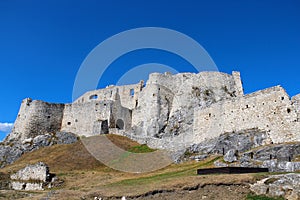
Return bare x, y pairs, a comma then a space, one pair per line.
70, 157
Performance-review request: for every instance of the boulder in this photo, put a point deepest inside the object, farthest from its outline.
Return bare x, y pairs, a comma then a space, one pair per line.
281, 166
284, 185
231, 156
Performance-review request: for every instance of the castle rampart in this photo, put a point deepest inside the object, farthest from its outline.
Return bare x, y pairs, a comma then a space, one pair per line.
36, 118
270, 110
170, 111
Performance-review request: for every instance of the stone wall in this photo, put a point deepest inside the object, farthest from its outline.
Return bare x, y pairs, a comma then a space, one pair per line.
269, 110
169, 112
296, 104
166, 105
32, 177
95, 117
128, 94
36, 118
37, 172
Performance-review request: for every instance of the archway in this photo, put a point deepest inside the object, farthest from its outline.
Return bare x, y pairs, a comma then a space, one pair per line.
120, 124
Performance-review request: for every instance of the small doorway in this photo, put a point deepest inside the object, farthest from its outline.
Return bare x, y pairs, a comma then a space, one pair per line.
120, 124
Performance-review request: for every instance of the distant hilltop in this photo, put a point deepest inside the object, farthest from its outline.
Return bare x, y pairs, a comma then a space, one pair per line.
168, 112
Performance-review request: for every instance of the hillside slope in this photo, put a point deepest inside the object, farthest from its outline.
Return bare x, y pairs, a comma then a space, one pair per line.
85, 177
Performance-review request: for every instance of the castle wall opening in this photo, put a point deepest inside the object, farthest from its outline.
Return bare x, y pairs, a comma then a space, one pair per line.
94, 96
120, 124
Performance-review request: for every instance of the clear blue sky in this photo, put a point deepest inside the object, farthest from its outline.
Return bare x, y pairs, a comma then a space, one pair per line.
43, 43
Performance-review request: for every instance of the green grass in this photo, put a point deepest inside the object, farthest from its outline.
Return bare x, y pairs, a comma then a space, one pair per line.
140, 149
261, 197
184, 171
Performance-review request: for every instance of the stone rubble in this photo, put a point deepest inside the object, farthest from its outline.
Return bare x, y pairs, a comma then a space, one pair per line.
284, 185
32, 177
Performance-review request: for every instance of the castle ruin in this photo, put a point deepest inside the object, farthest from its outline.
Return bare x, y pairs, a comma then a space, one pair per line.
168, 112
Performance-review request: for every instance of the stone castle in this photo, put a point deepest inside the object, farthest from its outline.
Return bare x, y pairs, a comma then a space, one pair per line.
168, 112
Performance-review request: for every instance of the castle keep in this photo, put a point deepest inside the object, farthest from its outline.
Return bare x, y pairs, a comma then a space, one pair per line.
168, 112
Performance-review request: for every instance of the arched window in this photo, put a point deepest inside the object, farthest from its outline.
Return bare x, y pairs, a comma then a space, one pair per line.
120, 124
94, 96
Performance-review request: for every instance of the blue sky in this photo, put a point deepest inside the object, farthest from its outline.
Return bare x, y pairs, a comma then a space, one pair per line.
43, 43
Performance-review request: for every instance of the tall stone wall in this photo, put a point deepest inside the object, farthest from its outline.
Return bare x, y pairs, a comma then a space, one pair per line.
128, 94
166, 105
95, 117
269, 110
171, 111
36, 118
86, 118
296, 104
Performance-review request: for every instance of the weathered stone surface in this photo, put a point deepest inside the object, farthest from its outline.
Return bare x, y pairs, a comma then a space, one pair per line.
281, 166
199, 157
277, 158
11, 150
8, 154
32, 177
231, 156
285, 185
38, 172
220, 164
17, 185
66, 138
240, 141
171, 112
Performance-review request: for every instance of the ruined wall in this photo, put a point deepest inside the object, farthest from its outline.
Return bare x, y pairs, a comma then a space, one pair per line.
32, 177
166, 105
36, 118
296, 104
86, 118
128, 94
269, 110
95, 117
171, 111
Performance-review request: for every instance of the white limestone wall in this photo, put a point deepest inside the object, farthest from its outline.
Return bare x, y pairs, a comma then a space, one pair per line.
86, 118
31, 177
238, 83
120, 113
145, 116
128, 94
269, 110
296, 104
168, 101
36, 172
18, 185
36, 118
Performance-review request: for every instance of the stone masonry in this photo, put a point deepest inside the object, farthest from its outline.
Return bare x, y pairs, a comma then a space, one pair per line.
168, 112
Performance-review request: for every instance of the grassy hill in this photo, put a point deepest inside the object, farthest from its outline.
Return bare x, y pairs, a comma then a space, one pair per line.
85, 177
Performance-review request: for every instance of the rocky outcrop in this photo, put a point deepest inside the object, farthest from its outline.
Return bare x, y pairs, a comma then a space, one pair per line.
235, 141
11, 150
281, 166
277, 158
231, 156
285, 185
247, 149
32, 177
